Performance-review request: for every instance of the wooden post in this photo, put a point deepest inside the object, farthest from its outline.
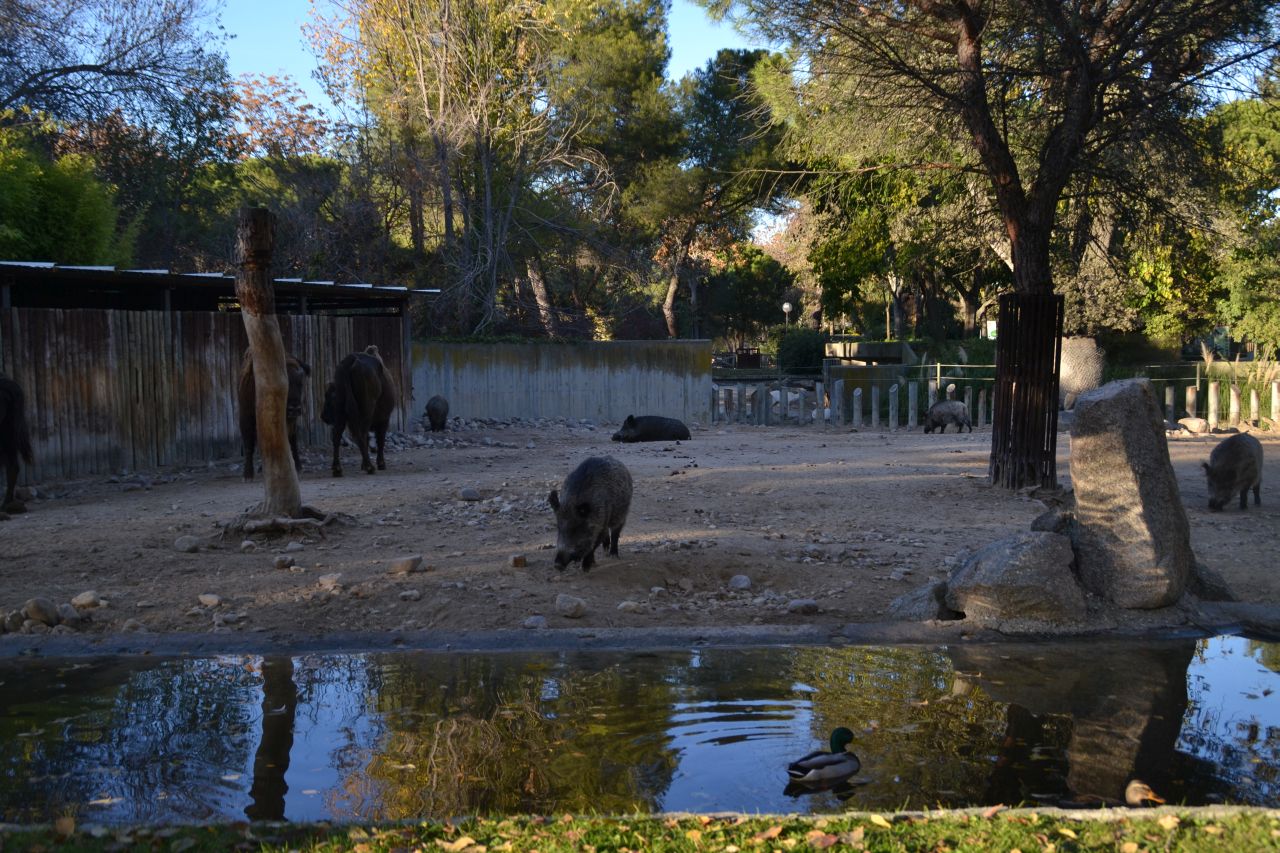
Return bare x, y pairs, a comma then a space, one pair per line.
1213, 405
968, 402
255, 240
982, 407
1190, 401
1254, 406
1169, 414
802, 416
857, 408
739, 403
893, 407
874, 422
932, 394
819, 391
1233, 411
913, 404
837, 404
762, 404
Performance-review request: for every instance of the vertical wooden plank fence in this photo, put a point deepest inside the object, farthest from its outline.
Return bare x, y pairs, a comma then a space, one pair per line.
134, 390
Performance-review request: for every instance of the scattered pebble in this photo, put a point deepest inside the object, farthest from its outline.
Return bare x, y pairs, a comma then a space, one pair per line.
802, 605
629, 606
535, 622
86, 600
283, 561
248, 546
209, 599
469, 494
410, 595
331, 582
69, 616
133, 626
41, 610
187, 544
406, 565
294, 547
570, 606
740, 582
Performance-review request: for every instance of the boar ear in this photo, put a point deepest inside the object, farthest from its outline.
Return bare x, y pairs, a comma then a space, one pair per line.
554, 499
630, 421
1206, 466
584, 509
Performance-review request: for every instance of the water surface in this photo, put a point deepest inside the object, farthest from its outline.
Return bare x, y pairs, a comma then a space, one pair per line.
411, 735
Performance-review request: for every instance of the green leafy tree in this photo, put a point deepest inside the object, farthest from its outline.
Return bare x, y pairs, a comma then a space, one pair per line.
1034, 97
744, 295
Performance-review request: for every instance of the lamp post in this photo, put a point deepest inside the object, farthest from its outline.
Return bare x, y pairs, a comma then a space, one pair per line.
786, 314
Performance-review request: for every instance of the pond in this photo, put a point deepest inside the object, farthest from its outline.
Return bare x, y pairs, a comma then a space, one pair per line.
414, 734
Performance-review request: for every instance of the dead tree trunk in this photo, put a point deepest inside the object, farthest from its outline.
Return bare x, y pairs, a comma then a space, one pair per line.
255, 239
546, 314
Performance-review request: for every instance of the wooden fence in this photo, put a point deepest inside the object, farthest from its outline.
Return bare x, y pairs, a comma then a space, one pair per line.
109, 391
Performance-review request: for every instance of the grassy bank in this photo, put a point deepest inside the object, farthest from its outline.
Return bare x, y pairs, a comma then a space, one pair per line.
1023, 830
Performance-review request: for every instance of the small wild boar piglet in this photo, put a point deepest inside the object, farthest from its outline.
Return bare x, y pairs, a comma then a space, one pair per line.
591, 508
1235, 465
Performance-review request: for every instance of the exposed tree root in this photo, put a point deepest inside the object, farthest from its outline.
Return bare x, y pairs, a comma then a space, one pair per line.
309, 520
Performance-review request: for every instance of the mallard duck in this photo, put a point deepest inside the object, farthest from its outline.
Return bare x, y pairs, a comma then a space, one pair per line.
1138, 793
823, 766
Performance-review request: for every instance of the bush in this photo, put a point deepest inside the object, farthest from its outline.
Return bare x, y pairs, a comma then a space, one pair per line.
797, 349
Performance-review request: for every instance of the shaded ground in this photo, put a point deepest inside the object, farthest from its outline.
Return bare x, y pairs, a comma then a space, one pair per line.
851, 520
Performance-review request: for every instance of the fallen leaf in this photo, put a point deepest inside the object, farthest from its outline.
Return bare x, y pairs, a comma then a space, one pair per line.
455, 846
821, 840
1129, 847
1213, 829
788, 843
694, 835
855, 837
1169, 822
880, 821
1069, 833
993, 811
64, 825
769, 834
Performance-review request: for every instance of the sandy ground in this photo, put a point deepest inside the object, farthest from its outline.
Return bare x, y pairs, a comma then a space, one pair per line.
851, 520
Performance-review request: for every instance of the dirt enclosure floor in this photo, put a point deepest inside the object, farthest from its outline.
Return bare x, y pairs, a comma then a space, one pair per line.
849, 520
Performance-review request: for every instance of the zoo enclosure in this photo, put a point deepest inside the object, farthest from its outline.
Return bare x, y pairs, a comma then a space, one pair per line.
144, 385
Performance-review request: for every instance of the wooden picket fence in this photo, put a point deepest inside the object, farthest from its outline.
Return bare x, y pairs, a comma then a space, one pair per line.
110, 391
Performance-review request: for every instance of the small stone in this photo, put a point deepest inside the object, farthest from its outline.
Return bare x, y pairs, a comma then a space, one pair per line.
187, 544
802, 605
86, 600
406, 565
133, 626
248, 546
31, 626
13, 621
1197, 426
41, 610
469, 494
331, 582
535, 622
209, 599
410, 595
64, 628
529, 446
740, 582
69, 616
518, 561
283, 561
629, 606
570, 606
294, 547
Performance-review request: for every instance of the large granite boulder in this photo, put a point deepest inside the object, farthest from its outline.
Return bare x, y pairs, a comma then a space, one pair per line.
1082, 365
1132, 539
1025, 578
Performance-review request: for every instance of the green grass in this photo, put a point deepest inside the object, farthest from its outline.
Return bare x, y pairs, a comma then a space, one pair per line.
1024, 830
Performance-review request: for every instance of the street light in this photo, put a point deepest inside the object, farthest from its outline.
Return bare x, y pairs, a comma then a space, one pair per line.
786, 313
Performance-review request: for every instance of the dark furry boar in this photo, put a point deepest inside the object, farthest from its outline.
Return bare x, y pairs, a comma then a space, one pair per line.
651, 428
360, 398
247, 398
437, 412
1235, 465
947, 412
591, 508
15, 440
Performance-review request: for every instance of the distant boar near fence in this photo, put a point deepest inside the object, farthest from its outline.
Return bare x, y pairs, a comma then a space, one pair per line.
247, 398
591, 509
1235, 465
15, 440
651, 428
360, 398
437, 413
947, 412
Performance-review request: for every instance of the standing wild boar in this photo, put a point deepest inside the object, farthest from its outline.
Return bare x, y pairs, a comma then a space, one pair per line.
297, 372
946, 412
651, 428
360, 398
591, 508
15, 440
1235, 465
437, 412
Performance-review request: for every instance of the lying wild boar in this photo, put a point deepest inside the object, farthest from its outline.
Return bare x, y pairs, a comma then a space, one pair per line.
946, 412
651, 428
1235, 465
591, 508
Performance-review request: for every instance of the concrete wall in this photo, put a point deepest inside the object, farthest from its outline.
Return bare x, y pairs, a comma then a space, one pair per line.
604, 381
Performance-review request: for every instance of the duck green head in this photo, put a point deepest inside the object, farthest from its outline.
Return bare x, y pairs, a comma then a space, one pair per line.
840, 739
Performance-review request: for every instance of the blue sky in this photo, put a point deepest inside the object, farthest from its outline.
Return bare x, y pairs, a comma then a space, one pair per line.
268, 40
